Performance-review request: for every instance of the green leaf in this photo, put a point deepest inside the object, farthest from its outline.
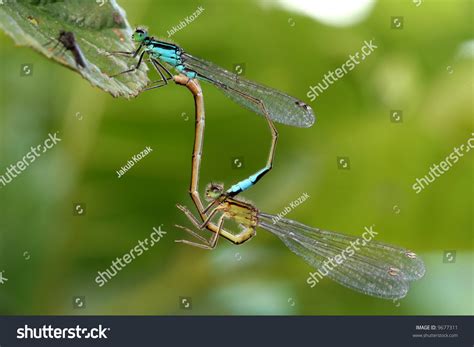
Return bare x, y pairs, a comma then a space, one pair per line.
99, 27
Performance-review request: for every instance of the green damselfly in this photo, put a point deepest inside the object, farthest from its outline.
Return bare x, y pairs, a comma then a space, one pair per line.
374, 268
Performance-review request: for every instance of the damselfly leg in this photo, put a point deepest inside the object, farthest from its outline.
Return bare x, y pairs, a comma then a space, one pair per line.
133, 68
131, 54
206, 244
246, 234
162, 70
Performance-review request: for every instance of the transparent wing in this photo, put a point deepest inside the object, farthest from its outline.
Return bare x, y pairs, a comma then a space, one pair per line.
281, 107
375, 269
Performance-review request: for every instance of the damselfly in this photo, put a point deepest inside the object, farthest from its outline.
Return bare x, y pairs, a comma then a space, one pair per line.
69, 43
270, 103
372, 268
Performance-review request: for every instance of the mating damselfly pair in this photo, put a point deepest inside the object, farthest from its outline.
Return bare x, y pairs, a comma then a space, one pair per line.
272, 104
377, 269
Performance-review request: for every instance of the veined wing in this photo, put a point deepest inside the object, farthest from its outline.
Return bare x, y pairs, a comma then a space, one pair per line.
281, 107
376, 269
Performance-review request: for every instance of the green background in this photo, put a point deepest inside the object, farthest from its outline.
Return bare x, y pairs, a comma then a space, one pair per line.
417, 70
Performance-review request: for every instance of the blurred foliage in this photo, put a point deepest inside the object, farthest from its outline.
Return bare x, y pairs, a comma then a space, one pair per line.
417, 70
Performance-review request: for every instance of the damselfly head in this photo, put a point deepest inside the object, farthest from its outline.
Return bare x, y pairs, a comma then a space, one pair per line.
140, 34
214, 191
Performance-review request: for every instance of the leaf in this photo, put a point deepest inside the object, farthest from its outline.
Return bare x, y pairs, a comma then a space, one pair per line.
99, 27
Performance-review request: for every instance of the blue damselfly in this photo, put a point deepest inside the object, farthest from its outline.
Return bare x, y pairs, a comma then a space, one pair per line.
270, 103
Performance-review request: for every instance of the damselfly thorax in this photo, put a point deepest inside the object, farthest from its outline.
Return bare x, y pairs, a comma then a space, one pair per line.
243, 213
